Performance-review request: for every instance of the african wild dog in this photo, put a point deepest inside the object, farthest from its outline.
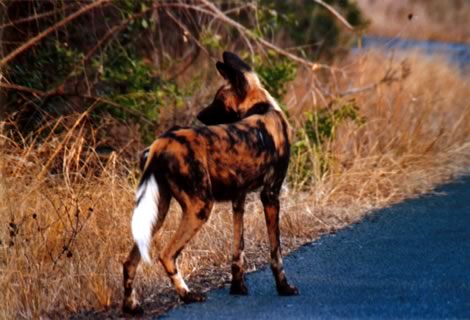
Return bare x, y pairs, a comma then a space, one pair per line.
245, 146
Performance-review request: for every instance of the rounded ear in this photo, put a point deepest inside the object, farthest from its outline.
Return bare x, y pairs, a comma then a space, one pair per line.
223, 69
235, 77
235, 62
240, 85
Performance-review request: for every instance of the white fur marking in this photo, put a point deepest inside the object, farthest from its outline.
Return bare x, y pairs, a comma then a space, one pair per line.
272, 101
145, 155
146, 152
253, 80
145, 216
179, 282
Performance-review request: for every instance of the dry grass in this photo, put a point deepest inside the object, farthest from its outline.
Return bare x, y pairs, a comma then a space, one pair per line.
432, 19
65, 211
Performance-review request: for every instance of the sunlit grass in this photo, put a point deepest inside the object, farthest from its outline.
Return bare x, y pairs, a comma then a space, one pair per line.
65, 210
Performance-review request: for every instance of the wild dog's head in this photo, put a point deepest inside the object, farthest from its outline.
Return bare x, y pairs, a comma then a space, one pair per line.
242, 95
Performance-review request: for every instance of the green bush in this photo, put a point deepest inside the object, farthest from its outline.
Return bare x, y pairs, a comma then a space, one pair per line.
275, 72
311, 157
309, 26
121, 72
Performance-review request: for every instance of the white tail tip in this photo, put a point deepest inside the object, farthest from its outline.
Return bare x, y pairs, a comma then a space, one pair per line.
145, 215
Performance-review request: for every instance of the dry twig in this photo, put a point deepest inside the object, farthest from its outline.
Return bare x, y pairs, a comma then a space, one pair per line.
54, 93
242, 29
37, 16
336, 14
31, 42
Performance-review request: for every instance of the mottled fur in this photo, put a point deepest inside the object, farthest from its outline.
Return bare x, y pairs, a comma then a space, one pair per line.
245, 146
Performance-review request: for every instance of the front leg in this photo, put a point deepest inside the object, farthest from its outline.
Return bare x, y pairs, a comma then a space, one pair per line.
238, 280
271, 212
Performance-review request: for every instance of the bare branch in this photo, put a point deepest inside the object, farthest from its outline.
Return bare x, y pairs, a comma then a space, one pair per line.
186, 31
31, 42
336, 14
43, 94
389, 77
221, 16
37, 16
113, 32
16, 87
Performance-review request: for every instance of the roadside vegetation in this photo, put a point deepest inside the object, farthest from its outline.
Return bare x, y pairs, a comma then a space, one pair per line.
77, 107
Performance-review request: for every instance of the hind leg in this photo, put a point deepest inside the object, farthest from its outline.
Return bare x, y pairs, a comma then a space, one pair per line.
130, 303
195, 214
238, 280
271, 212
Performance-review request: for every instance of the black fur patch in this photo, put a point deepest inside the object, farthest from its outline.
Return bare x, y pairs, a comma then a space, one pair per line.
176, 127
203, 214
194, 184
216, 113
236, 78
149, 171
234, 61
259, 108
266, 140
236, 270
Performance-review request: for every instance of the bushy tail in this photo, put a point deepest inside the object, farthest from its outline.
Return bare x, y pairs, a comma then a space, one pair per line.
145, 213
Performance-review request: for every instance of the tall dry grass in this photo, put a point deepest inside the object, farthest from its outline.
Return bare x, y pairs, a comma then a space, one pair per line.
65, 209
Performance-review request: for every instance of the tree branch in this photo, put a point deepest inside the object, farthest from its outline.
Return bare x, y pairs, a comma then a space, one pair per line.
107, 37
336, 14
31, 42
37, 16
16, 87
389, 77
43, 94
221, 16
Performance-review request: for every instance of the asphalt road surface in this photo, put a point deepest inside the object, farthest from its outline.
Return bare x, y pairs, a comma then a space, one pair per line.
409, 261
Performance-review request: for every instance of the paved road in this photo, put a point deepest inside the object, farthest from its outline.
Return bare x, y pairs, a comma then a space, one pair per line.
408, 261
